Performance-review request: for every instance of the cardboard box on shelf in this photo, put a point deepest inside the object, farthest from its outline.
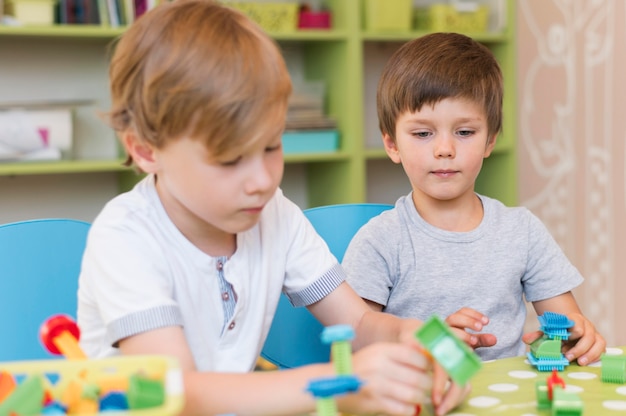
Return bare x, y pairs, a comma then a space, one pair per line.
33, 12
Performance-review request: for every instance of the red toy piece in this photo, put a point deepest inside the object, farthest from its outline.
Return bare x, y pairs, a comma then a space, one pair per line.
60, 335
554, 380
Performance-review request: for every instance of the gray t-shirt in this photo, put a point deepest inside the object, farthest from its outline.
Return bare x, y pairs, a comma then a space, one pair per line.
415, 270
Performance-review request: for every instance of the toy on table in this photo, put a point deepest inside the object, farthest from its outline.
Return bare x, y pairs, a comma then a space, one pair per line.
340, 337
127, 384
456, 357
613, 369
83, 386
545, 353
325, 390
60, 335
552, 394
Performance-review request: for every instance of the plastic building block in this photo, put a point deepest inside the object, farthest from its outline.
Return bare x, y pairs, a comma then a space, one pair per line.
547, 364
555, 325
340, 337
546, 348
541, 390
74, 386
144, 392
114, 400
7, 384
60, 335
456, 357
326, 389
613, 369
26, 399
566, 403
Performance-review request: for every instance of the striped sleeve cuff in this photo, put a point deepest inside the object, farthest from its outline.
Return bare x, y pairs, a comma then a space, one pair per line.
328, 282
143, 321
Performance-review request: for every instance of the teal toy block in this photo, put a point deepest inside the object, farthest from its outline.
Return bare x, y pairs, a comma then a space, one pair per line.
456, 357
325, 390
613, 369
555, 325
547, 364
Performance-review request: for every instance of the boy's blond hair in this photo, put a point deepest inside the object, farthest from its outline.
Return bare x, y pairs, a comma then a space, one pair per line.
431, 68
198, 69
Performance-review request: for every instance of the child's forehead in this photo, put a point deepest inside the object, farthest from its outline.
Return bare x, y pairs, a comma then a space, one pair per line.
446, 104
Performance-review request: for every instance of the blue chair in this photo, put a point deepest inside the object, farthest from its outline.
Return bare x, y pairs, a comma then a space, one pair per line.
294, 337
39, 267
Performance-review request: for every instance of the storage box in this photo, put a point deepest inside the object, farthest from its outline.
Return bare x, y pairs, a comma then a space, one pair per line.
27, 130
388, 15
311, 141
33, 12
58, 376
449, 18
314, 20
272, 17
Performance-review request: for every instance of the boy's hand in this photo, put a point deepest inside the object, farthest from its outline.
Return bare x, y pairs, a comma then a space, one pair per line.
396, 377
468, 318
446, 395
585, 344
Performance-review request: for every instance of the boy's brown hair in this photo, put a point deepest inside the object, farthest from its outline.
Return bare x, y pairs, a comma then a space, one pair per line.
198, 69
431, 68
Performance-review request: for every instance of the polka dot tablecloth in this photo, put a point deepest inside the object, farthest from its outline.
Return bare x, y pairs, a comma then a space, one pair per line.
507, 388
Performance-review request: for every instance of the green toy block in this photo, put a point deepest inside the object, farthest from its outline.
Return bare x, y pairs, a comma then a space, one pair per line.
456, 357
613, 369
541, 390
566, 403
26, 399
144, 392
546, 348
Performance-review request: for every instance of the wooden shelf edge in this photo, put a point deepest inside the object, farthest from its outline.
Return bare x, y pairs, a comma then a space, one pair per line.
60, 166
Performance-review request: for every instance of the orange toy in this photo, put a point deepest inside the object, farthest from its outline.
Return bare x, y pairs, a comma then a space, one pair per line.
60, 335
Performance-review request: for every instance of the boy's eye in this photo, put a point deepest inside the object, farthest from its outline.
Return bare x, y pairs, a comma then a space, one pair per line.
421, 134
465, 132
231, 162
275, 147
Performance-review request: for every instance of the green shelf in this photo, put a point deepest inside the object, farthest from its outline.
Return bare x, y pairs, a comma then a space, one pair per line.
338, 57
61, 166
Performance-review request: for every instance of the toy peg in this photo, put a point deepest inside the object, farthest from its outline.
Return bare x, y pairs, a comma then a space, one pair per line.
60, 335
326, 389
340, 337
553, 381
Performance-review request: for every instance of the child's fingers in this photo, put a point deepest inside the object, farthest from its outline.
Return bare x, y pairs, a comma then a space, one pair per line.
531, 337
440, 381
453, 397
467, 318
588, 348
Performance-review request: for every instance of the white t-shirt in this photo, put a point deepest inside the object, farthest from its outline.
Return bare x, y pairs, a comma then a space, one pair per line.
140, 273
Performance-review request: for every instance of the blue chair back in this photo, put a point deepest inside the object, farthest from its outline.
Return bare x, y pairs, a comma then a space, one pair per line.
39, 267
294, 338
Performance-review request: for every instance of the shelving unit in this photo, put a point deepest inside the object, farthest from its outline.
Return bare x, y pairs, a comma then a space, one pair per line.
348, 58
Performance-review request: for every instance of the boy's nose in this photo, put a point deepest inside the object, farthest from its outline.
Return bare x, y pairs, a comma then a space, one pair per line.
444, 147
260, 179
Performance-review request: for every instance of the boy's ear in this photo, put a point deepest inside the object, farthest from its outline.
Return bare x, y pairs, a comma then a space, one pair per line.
391, 148
490, 145
141, 152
